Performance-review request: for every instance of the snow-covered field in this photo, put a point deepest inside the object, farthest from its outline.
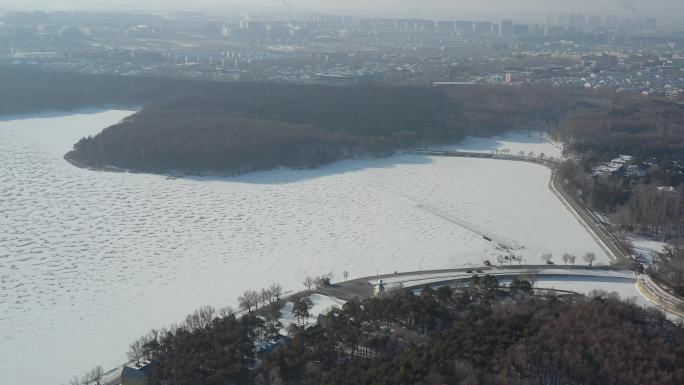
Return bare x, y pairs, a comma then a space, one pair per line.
91, 260
646, 248
515, 142
322, 304
625, 288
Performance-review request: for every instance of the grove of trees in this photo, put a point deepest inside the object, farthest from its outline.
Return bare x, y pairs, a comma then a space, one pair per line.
484, 334
241, 127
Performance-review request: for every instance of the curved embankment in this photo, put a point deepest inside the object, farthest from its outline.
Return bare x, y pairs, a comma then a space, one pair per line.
363, 287
659, 297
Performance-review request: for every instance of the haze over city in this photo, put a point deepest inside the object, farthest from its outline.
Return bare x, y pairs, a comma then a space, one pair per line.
288, 192
437, 9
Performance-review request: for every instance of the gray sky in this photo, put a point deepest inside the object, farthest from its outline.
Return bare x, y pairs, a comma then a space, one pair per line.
437, 9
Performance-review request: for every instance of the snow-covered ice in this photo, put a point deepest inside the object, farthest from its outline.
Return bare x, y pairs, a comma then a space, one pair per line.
91, 260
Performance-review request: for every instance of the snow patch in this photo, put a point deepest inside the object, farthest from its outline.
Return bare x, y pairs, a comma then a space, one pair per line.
322, 305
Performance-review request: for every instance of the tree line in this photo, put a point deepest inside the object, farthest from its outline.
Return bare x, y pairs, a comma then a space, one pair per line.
242, 127
486, 333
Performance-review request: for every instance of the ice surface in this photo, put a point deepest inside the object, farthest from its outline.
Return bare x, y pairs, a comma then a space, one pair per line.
89, 261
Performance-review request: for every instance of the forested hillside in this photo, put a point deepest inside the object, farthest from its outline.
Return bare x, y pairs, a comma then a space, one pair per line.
242, 127
639, 127
25, 91
486, 334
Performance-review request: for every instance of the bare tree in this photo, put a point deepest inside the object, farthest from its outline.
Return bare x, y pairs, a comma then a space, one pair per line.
521, 153
546, 257
192, 321
308, 282
590, 258
266, 296
245, 301
254, 297
276, 291
135, 353
566, 258
75, 381
206, 315
572, 259
96, 375
530, 154
226, 312
345, 274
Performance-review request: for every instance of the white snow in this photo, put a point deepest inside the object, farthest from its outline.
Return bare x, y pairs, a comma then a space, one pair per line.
516, 141
626, 289
89, 261
322, 304
647, 245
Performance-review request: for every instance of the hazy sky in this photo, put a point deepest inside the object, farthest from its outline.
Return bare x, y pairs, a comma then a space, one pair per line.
444, 9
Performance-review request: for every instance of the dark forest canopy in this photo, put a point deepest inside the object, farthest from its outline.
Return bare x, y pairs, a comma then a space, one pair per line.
639, 127
241, 127
25, 90
200, 126
485, 334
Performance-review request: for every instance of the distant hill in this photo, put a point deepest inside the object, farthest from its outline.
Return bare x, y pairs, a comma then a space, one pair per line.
239, 127
25, 90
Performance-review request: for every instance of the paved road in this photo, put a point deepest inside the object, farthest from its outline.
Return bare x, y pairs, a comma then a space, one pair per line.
363, 287
659, 296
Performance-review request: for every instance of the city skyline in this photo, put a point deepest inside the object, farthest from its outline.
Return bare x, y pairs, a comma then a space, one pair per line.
433, 9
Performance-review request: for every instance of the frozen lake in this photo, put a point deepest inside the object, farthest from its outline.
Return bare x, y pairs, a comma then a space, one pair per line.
91, 260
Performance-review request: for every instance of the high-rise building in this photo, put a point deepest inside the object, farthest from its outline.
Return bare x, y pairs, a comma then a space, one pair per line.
465, 26
482, 27
521, 29
506, 28
577, 21
446, 26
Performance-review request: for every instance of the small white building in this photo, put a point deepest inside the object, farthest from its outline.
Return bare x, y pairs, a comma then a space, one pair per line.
379, 288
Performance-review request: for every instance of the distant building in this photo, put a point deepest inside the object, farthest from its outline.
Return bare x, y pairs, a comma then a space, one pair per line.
636, 171
506, 28
521, 29
465, 26
482, 27
512, 77
623, 159
379, 288
621, 163
672, 95
446, 26
666, 189
137, 374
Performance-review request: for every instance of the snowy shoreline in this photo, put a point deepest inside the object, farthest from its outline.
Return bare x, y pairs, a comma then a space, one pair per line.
88, 256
